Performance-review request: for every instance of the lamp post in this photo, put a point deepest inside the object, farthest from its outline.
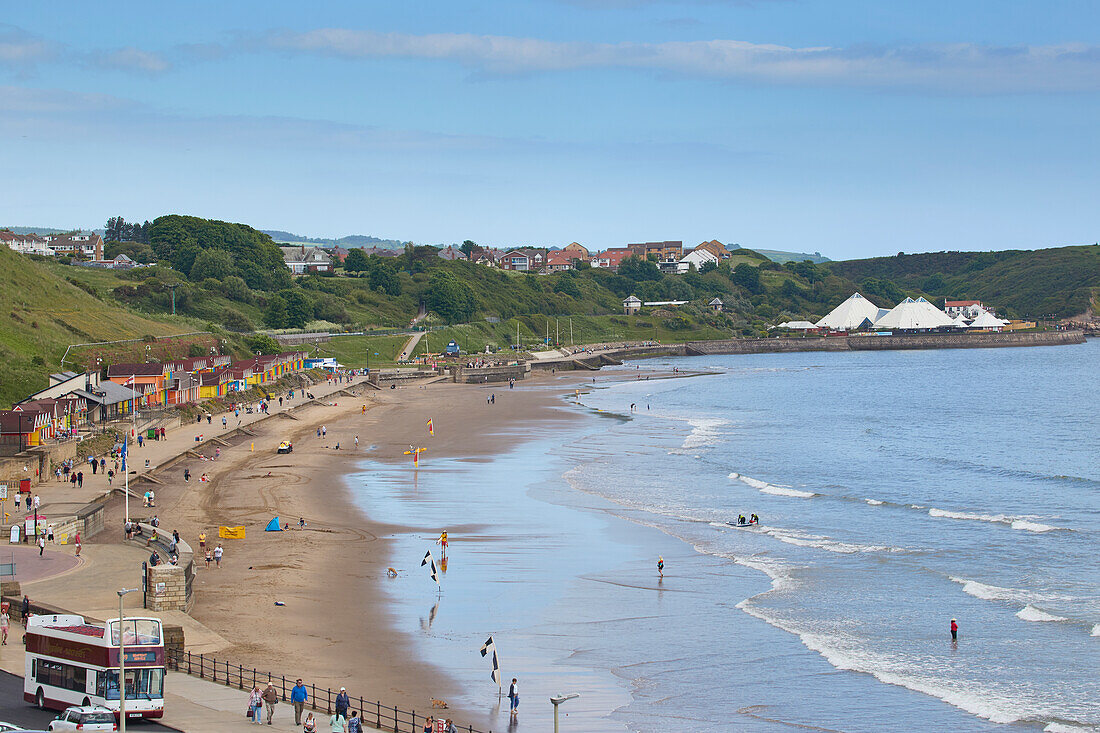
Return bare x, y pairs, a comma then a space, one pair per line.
558, 701
122, 665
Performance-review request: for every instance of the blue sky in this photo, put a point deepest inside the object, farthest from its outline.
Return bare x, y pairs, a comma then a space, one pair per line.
854, 128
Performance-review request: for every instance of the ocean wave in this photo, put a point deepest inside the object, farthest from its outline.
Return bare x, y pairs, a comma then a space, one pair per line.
1023, 523
873, 502
800, 539
704, 432
1031, 613
981, 702
765, 488
1065, 728
993, 592
1095, 630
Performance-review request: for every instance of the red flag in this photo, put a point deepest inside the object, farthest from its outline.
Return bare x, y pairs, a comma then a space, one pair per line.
431, 430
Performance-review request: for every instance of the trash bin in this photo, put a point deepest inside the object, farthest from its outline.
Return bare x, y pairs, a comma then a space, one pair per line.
151, 433
24, 486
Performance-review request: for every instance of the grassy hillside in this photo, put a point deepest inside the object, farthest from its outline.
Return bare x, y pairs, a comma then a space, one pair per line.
1061, 281
782, 257
44, 313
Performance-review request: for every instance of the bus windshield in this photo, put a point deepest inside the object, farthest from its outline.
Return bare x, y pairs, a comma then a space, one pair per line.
137, 631
140, 683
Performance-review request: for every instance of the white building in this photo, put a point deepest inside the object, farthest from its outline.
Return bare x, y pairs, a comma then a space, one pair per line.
853, 314
304, 259
966, 308
914, 315
697, 257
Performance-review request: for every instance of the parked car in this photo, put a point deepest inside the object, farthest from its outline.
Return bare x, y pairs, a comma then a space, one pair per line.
4, 727
90, 717
286, 447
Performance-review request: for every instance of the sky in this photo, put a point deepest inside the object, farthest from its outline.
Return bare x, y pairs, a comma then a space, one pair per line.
854, 128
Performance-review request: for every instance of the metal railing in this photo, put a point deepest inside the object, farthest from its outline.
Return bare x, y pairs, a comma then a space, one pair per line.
321, 699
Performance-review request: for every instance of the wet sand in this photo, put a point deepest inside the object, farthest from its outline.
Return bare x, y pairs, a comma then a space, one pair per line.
336, 628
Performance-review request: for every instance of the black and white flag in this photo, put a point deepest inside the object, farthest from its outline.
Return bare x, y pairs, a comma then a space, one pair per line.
428, 559
490, 646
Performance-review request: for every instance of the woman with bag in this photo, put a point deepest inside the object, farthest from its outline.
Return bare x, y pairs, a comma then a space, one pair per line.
309, 725
255, 706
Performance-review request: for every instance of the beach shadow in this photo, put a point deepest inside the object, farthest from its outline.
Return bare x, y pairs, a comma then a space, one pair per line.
426, 625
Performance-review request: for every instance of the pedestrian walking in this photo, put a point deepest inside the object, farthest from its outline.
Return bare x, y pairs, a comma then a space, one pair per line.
76, 541
338, 723
218, 552
202, 541
271, 698
299, 696
954, 630
80, 479
255, 705
660, 566
4, 622
309, 725
223, 422
95, 466
513, 696
140, 440
343, 702
41, 544
110, 477
324, 431
355, 725
25, 609
37, 501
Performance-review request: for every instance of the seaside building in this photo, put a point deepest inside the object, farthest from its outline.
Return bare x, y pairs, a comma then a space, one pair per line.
31, 244
715, 247
853, 314
632, 305
560, 260
796, 326
968, 309
579, 250
697, 257
670, 251
986, 321
716, 305
451, 253
611, 258
88, 245
522, 260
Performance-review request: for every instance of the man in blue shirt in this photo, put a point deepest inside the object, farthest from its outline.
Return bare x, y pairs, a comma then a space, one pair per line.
298, 696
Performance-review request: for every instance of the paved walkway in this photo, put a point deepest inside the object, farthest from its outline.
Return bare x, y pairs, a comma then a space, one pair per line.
30, 566
60, 499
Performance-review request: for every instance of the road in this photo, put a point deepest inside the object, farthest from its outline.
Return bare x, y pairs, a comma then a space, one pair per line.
14, 710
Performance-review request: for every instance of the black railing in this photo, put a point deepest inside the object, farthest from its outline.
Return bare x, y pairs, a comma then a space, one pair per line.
321, 699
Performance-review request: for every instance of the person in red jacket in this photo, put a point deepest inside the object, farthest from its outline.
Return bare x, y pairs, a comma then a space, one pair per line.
954, 630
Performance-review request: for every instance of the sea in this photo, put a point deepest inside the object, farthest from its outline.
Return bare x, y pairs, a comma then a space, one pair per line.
896, 491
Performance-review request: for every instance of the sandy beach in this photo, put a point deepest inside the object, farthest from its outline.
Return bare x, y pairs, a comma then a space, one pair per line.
335, 628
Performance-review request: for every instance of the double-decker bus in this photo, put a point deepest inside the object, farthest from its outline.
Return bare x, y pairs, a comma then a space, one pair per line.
70, 662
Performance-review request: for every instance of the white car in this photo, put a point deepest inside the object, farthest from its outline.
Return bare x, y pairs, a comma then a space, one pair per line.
92, 717
8, 726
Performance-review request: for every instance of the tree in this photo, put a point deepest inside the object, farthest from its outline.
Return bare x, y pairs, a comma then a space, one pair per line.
747, 277
261, 343
383, 278
113, 231
215, 263
468, 247
356, 261
451, 298
638, 269
708, 266
299, 310
275, 313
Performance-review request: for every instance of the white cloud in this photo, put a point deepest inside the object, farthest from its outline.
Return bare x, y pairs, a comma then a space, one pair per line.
128, 59
961, 67
21, 51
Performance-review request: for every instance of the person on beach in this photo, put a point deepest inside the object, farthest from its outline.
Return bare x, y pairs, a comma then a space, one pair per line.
449, 727
110, 477
76, 541
4, 622
429, 723
661, 566
41, 544
255, 705
954, 630
80, 479
224, 421
355, 725
187, 474
343, 702
202, 541
356, 441
298, 698
338, 723
49, 533
209, 558
218, 552
309, 725
513, 696
443, 541
271, 698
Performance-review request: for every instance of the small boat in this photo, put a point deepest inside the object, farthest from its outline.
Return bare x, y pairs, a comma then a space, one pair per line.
746, 525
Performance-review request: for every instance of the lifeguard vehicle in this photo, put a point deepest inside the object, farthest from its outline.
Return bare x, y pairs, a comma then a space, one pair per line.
71, 662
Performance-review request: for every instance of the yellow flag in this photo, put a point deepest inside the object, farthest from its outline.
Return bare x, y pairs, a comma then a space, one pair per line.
231, 533
252, 446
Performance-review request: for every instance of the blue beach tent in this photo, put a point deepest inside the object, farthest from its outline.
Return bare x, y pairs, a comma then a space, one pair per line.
274, 526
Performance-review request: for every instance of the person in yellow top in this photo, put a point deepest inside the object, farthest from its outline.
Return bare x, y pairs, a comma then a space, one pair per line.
202, 542
443, 541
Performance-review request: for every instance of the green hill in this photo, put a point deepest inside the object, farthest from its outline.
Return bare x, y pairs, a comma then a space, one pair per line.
778, 255
1061, 281
44, 313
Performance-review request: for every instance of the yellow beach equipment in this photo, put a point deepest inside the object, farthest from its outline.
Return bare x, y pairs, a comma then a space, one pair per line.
231, 533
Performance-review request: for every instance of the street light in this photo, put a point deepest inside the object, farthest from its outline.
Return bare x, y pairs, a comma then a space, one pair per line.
558, 701
122, 665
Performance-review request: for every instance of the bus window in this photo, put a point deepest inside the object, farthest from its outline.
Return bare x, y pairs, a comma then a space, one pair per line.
137, 631
140, 683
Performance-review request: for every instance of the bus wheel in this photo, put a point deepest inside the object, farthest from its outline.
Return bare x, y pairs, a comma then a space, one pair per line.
40, 699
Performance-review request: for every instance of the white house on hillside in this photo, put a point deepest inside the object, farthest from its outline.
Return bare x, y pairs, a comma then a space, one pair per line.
697, 257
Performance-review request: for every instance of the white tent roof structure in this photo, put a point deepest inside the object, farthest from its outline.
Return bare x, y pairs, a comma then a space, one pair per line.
914, 315
853, 313
960, 322
987, 320
797, 325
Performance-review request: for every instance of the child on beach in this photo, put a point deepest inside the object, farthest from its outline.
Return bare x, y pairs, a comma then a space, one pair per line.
209, 558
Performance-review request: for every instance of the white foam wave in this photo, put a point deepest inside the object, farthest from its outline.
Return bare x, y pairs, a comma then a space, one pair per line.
983, 703
1031, 526
784, 491
1031, 613
765, 488
1014, 522
778, 572
1064, 728
1095, 630
824, 543
992, 592
873, 502
704, 432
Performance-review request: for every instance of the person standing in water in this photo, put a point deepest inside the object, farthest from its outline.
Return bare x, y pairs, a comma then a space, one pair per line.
660, 566
443, 541
954, 630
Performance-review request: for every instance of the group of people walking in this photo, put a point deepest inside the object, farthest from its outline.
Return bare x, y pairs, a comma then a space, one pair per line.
262, 702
